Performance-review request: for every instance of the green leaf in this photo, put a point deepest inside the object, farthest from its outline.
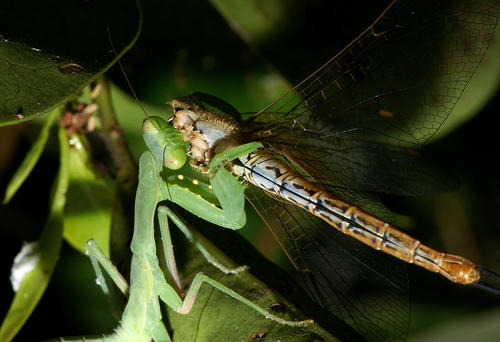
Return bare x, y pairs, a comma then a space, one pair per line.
31, 158
256, 20
42, 68
88, 212
35, 282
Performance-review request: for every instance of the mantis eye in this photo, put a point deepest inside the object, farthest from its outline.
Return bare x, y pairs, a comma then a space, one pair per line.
174, 158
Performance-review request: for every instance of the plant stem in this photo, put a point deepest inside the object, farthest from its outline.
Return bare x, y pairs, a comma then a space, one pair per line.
126, 178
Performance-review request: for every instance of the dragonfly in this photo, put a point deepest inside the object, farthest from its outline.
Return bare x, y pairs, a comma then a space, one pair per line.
350, 130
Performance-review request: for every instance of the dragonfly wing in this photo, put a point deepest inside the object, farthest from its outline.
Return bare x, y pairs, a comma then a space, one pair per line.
398, 81
336, 163
363, 287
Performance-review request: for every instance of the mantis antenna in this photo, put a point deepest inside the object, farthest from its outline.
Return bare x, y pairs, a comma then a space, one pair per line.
174, 148
123, 71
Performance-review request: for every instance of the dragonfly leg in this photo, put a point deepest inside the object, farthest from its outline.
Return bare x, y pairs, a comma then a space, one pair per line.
488, 281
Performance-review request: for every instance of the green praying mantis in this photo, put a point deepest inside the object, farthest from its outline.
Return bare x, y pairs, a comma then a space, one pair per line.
142, 318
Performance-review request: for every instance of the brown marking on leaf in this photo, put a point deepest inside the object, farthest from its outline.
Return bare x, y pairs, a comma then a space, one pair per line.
257, 337
71, 69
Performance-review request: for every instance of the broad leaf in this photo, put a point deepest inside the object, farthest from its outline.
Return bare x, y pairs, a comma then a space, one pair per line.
41, 68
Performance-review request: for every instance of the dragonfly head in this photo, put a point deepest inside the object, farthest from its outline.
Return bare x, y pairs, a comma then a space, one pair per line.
204, 121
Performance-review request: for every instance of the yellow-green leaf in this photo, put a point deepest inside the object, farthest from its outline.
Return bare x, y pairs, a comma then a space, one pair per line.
88, 211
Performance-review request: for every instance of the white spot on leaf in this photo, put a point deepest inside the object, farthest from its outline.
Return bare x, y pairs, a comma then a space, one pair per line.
24, 262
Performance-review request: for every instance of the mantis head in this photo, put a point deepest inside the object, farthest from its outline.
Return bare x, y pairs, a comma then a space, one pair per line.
165, 142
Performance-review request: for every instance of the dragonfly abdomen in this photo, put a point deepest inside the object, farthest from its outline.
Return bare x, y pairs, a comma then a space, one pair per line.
266, 171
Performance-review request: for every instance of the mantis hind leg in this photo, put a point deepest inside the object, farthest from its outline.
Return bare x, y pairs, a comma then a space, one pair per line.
201, 278
163, 214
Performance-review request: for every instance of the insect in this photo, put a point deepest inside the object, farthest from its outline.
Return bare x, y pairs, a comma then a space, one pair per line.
347, 131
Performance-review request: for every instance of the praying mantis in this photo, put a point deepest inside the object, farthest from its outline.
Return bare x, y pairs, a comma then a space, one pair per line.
142, 318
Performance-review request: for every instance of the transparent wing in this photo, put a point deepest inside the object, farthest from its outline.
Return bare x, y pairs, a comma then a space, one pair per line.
337, 163
397, 82
363, 287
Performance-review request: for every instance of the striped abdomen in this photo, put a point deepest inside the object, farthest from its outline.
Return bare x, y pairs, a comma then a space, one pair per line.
271, 174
